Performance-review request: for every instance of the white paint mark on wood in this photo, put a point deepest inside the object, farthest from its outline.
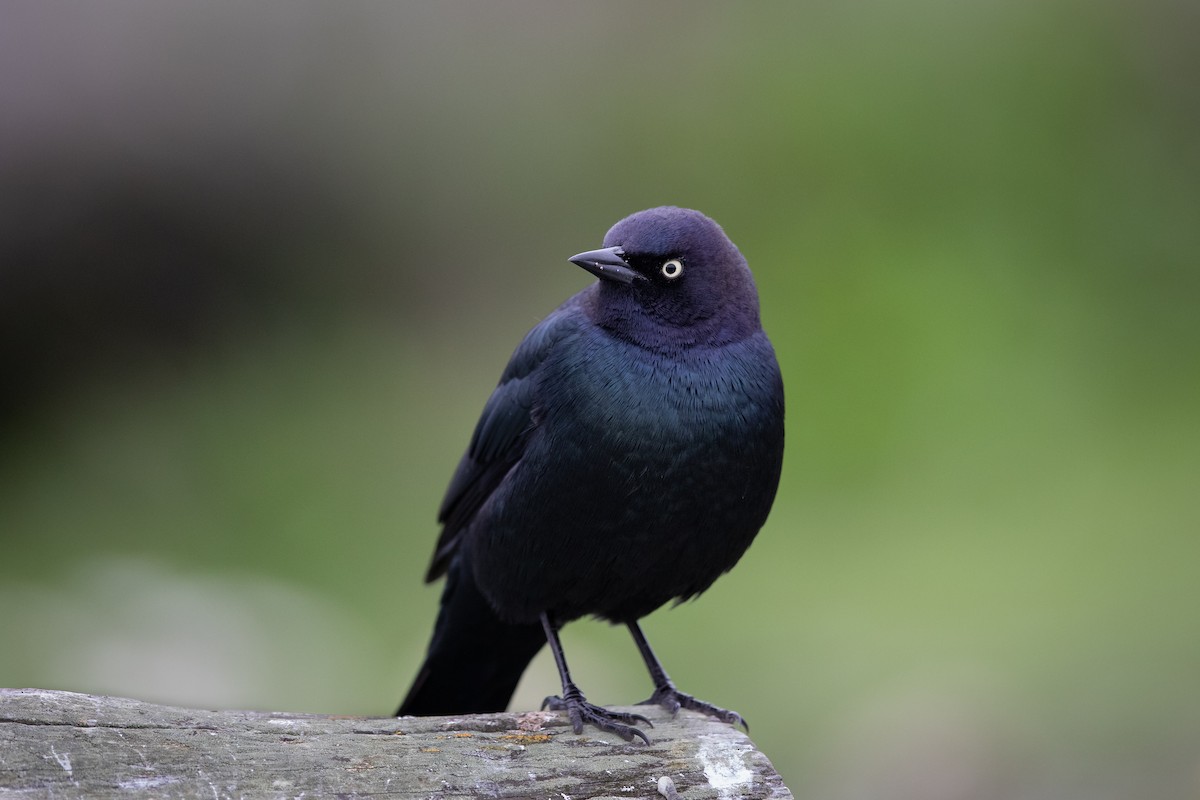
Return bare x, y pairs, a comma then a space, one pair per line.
142, 784
724, 767
63, 759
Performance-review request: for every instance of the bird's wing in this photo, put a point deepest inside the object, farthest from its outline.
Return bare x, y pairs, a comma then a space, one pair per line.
499, 438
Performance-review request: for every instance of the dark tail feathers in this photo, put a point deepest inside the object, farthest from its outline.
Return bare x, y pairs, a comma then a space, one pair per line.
474, 660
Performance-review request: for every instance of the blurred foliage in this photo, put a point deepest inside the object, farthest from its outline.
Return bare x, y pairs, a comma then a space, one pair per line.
260, 266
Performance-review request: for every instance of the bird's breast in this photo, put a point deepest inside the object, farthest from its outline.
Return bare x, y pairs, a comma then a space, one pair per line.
629, 400
644, 479
681, 439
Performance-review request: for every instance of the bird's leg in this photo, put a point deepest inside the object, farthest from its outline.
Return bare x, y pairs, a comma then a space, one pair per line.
665, 693
576, 705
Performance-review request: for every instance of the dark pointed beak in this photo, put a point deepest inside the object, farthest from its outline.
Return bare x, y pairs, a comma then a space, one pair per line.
606, 264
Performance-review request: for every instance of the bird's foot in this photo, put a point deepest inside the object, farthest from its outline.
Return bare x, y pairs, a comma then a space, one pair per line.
672, 700
581, 713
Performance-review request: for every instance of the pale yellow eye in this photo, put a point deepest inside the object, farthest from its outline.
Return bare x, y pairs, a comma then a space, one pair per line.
672, 269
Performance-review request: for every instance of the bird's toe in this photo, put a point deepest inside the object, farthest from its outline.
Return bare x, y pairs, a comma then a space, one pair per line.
672, 700
581, 712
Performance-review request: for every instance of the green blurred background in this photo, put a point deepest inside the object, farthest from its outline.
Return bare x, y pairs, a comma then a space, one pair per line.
261, 264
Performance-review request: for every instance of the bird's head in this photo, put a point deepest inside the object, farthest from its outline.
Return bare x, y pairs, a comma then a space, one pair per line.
671, 275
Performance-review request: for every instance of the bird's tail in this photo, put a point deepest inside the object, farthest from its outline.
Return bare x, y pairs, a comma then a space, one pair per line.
475, 660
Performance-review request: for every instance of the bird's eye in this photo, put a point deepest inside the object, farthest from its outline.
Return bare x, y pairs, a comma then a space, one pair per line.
672, 269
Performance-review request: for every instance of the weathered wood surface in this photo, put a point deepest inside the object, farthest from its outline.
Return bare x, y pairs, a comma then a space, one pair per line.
64, 745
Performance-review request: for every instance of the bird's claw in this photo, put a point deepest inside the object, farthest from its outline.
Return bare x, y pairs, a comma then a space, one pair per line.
581, 713
672, 700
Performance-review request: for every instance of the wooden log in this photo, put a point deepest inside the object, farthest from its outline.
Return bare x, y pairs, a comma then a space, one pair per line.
68, 745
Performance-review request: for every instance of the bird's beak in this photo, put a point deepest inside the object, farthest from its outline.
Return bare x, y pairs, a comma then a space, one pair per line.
606, 264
